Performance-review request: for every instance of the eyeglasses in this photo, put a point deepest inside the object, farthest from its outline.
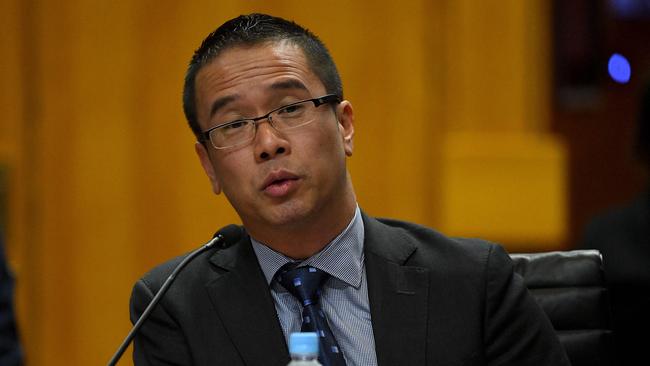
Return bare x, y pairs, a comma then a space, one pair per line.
290, 116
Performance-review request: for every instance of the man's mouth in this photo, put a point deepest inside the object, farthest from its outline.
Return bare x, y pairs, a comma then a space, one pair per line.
280, 183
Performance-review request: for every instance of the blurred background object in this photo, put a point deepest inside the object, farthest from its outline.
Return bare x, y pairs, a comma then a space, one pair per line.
10, 351
593, 112
494, 119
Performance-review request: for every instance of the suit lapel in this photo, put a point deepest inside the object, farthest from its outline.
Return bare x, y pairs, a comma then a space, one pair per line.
398, 295
243, 301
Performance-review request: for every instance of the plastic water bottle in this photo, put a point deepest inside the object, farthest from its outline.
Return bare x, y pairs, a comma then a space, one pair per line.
303, 348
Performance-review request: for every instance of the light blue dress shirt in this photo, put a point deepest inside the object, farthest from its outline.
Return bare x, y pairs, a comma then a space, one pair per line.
344, 297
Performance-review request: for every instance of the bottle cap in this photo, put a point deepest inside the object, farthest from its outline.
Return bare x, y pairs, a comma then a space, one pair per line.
303, 343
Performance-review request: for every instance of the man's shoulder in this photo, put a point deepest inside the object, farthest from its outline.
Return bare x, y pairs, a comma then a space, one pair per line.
155, 277
627, 224
209, 264
430, 245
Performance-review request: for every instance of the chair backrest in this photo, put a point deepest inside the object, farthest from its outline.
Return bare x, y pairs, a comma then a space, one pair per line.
570, 288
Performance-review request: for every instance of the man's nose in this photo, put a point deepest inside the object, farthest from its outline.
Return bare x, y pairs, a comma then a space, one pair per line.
269, 142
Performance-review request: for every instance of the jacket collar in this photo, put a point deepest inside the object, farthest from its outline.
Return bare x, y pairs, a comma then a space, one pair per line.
243, 302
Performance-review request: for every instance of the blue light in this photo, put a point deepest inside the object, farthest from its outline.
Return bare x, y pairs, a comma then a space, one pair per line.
619, 68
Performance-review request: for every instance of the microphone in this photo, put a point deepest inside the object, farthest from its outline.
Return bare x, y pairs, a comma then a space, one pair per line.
222, 239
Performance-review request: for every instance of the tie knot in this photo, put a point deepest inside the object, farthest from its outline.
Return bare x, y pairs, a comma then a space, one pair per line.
302, 282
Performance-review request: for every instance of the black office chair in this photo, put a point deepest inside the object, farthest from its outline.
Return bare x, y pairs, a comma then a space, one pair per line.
570, 287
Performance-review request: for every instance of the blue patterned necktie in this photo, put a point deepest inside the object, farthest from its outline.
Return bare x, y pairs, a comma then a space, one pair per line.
304, 284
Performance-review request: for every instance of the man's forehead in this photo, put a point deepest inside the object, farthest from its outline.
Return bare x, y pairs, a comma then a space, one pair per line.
264, 61
282, 49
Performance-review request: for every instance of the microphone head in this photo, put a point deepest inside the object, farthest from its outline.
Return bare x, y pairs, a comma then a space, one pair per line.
228, 235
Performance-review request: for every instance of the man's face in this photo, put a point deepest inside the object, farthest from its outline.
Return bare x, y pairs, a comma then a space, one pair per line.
281, 177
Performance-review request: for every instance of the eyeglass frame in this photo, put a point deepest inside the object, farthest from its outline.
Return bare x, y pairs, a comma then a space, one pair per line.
325, 99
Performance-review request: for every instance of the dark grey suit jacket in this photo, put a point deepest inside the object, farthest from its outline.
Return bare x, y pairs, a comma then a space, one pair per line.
433, 300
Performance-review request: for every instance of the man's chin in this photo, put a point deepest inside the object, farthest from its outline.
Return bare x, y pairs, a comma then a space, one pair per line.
287, 215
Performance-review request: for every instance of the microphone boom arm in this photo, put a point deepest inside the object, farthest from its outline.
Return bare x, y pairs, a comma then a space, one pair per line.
145, 314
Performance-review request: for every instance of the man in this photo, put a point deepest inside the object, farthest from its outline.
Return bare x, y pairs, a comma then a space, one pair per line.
391, 293
10, 350
622, 234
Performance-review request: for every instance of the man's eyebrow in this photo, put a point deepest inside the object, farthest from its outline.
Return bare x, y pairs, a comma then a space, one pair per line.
221, 102
288, 84
279, 85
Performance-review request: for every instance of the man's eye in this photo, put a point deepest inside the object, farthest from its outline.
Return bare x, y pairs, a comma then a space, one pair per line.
291, 109
235, 125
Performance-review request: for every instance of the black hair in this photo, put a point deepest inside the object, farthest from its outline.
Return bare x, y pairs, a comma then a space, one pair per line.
250, 30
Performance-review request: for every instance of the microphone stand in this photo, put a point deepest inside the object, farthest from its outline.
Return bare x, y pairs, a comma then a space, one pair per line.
145, 314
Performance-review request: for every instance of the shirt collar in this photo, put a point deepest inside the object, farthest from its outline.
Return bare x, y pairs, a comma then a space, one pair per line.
341, 258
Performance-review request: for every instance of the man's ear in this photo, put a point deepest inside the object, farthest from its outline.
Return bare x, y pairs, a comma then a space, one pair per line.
206, 163
345, 115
